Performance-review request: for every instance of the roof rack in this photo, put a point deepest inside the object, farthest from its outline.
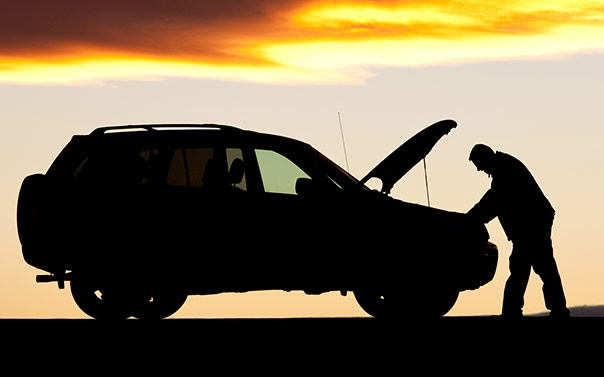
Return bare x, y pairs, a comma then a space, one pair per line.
155, 127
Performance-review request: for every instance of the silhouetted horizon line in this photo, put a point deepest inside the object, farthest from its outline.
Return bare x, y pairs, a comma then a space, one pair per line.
578, 311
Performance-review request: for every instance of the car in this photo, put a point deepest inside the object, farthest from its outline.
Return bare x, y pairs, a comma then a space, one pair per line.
139, 217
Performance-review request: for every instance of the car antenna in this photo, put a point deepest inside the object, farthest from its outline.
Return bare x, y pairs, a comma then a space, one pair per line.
343, 142
426, 177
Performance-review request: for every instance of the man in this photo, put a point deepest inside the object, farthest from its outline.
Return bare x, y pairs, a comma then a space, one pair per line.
526, 217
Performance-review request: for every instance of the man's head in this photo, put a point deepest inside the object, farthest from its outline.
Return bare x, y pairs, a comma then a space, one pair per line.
482, 156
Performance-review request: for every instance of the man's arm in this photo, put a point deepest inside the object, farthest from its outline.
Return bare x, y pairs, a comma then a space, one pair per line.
485, 210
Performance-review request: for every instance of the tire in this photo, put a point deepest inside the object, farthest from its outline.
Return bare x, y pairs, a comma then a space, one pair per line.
97, 302
443, 302
379, 305
396, 304
159, 306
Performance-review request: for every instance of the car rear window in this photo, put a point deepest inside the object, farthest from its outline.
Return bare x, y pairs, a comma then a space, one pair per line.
118, 162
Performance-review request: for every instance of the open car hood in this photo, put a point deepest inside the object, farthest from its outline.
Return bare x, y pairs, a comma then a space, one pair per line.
405, 157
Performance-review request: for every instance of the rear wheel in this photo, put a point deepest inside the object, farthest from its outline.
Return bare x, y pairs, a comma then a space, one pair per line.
159, 305
98, 301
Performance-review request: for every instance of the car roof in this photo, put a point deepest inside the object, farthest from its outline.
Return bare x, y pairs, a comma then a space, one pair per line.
156, 127
180, 128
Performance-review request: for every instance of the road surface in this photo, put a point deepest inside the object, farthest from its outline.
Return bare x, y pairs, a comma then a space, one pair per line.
469, 345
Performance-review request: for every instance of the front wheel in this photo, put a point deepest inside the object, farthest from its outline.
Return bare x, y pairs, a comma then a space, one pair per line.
397, 304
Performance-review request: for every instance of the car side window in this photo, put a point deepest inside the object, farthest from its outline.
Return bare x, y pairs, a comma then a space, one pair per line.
279, 174
192, 167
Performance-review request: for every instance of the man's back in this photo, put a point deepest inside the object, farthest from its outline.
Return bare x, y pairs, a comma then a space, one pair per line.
520, 202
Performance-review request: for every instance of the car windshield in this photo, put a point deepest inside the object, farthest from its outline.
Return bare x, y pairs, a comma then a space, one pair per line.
319, 167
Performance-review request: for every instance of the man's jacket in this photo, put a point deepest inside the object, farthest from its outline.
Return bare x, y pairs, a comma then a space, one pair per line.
514, 197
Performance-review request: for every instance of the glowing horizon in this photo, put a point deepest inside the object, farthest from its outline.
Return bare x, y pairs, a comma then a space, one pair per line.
97, 69
319, 42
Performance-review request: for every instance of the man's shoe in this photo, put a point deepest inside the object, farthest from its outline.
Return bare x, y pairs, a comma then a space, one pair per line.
559, 314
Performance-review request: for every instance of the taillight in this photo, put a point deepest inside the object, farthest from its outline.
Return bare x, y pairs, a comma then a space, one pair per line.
27, 210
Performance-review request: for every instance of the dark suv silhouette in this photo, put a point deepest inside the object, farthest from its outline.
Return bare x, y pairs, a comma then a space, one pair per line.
139, 217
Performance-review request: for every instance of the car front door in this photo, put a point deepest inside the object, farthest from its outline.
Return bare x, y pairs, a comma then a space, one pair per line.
292, 231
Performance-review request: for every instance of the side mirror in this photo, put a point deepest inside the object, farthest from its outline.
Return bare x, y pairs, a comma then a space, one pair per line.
305, 186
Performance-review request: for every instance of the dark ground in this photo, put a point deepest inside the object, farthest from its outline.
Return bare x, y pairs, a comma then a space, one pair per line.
472, 345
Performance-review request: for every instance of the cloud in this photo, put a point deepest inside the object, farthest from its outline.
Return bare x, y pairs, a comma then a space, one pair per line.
286, 41
204, 29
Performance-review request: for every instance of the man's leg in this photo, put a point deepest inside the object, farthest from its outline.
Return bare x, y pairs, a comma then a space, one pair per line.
515, 286
545, 266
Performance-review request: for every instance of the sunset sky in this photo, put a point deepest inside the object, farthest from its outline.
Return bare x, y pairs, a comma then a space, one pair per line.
522, 76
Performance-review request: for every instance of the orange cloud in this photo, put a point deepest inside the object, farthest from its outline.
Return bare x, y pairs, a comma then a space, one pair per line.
298, 41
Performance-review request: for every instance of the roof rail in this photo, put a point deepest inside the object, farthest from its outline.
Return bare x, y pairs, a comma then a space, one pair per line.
155, 127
